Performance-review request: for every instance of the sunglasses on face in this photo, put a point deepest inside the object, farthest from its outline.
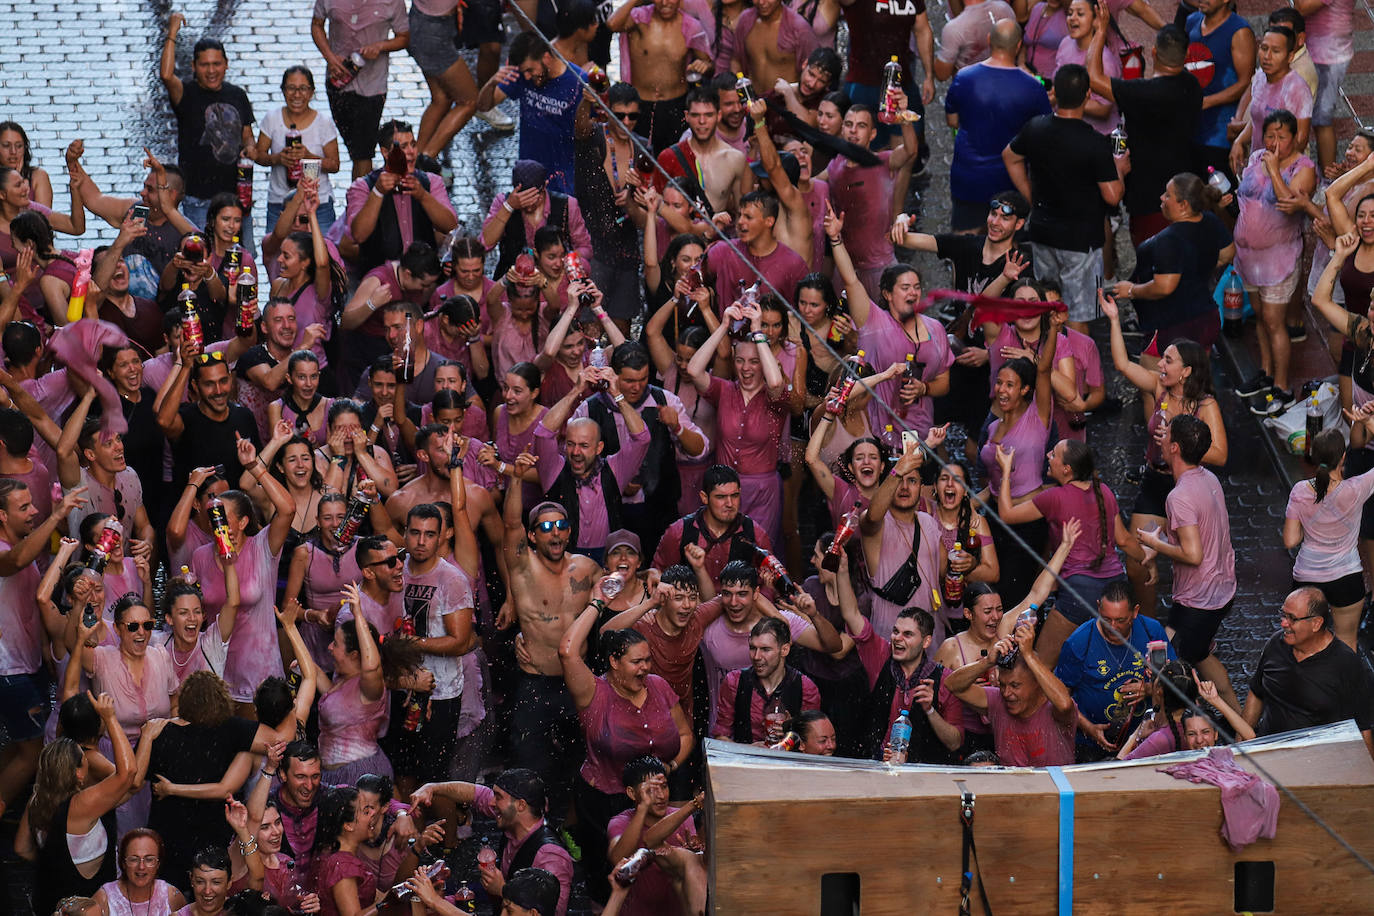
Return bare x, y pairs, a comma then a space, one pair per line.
545, 527
626, 115
390, 562
134, 626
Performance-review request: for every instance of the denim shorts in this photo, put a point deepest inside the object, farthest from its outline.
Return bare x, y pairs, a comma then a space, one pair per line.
1329, 78
23, 706
433, 42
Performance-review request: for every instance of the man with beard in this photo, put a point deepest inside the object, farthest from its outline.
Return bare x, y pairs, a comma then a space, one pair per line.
718, 528
803, 97
736, 264
730, 128
585, 484
549, 587
705, 155
772, 43
516, 801
265, 366
549, 93
748, 695
862, 195
438, 609
204, 433
898, 333
137, 316
383, 578
904, 677
901, 548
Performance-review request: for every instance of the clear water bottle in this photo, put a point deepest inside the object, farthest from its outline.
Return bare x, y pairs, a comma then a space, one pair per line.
1218, 181
899, 739
1119, 138
612, 585
1314, 424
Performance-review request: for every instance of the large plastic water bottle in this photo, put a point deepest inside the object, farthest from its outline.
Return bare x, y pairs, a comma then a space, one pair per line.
1232, 301
1218, 181
900, 738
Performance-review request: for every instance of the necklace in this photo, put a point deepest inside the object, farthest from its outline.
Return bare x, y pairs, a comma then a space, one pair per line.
177, 663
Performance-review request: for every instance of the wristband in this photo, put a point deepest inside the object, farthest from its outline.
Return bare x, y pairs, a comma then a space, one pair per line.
677, 431
758, 337
759, 125
374, 428
618, 398
264, 772
505, 205
501, 469
371, 306
340, 460
835, 242
378, 191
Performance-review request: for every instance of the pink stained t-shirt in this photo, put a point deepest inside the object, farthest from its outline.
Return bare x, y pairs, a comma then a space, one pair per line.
693, 33
863, 194
1061, 503
617, 731
750, 435
1087, 374
1070, 53
1268, 241
1330, 528
893, 551
21, 648
795, 36
1045, 29
964, 39
349, 724
1290, 93
724, 650
1044, 739
1029, 437
253, 654
652, 893
136, 702
1197, 499
733, 266
1330, 32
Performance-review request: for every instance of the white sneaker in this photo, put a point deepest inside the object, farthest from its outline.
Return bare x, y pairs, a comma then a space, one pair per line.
497, 119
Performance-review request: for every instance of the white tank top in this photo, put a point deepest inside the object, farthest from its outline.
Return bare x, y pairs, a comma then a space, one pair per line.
119, 905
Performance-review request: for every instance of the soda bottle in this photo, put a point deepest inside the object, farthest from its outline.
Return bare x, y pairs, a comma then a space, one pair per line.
219, 527
248, 303
187, 576
954, 581
899, 739
1218, 181
105, 545
233, 261
293, 141
415, 711
744, 88
765, 560
1232, 302
790, 742
446, 252
358, 508
465, 899
892, 87
351, 65
1119, 148
396, 161
244, 185
1314, 424
76, 304
774, 718
486, 856
191, 330
1030, 617
193, 249
430, 871
625, 875
848, 525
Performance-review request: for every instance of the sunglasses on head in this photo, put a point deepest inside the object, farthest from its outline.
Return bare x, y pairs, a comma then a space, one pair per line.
147, 626
206, 358
1002, 207
545, 527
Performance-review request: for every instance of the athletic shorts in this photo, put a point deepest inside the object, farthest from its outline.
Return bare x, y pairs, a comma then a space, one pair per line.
1195, 629
425, 753
23, 706
1329, 77
1342, 592
1079, 273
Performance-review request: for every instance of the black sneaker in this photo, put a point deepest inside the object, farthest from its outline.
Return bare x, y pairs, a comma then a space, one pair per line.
1297, 333
1274, 402
1259, 383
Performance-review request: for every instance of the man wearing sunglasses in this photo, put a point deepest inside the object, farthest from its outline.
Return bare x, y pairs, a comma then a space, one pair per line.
549, 587
382, 565
580, 479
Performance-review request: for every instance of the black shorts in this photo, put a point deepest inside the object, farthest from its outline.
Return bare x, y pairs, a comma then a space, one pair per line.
1342, 592
1155, 487
662, 122
424, 754
358, 118
482, 24
1195, 628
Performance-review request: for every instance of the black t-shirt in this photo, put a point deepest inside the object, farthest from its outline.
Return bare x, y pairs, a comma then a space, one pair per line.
1331, 686
210, 135
1066, 160
614, 237
192, 755
1161, 117
1189, 250
205, 442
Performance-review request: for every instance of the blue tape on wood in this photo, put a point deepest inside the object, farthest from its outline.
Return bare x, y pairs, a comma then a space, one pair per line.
1061, 782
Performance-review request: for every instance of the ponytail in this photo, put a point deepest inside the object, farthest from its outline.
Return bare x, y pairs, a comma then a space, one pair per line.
1102, 543
1327, 449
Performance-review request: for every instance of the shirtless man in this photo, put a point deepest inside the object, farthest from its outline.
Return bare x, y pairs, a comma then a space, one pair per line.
772, 42
549, 587
724, 170
662, 45
802, 199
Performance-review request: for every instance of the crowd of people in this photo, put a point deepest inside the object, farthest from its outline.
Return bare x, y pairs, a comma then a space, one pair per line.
314, 548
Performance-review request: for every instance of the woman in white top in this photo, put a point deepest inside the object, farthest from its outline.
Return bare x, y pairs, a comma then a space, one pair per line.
139, 891
312, 135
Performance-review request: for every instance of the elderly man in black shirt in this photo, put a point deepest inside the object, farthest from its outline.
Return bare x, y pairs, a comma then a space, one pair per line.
1306, 676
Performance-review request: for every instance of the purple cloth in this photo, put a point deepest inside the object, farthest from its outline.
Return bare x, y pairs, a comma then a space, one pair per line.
1249, 805
78, 346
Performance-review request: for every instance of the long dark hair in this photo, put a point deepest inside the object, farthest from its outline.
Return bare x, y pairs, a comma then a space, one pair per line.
1081, 464
1327, 450
338, 806
1179, 693
675, 246
1197, 387
26, 167
338, 279
963, 525
847, 457
278, 469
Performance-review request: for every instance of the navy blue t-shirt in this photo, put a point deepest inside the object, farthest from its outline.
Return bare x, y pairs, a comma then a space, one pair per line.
1094, 670
547, 114
992, 104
